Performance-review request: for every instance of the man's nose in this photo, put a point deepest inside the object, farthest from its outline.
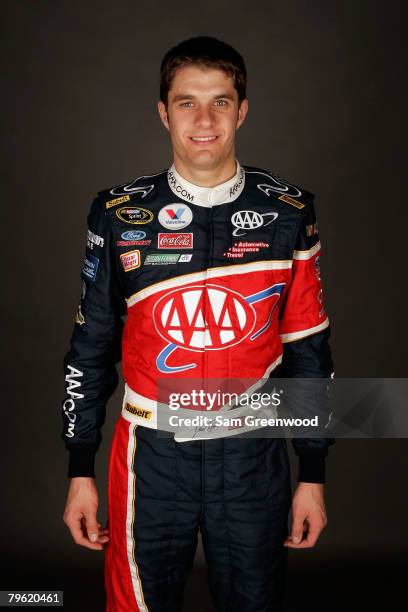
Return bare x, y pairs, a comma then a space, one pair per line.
204, 117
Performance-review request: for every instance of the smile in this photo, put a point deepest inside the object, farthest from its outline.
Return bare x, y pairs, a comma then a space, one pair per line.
203, 138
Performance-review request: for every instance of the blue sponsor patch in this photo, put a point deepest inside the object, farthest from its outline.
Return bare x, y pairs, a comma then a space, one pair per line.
90, 268
133, 235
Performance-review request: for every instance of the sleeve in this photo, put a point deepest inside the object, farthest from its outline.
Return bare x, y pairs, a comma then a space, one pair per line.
90, 364
304, 331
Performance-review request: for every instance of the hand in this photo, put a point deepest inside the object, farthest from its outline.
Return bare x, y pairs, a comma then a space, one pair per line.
80, 514
309, 515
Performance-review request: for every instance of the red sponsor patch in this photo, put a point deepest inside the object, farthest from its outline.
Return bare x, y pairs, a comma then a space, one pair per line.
132, 242
130, 260
175, 241
203, 317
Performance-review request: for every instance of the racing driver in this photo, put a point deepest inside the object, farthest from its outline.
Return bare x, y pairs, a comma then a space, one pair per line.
216, 266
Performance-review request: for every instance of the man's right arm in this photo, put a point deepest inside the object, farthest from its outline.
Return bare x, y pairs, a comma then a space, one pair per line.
90, 364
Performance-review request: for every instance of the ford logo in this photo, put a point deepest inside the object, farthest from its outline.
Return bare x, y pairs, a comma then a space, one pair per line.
133, 235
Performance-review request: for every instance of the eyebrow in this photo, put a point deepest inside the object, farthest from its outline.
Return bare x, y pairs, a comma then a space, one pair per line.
190, 97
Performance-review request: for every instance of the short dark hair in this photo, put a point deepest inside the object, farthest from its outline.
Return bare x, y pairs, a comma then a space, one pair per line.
206, 52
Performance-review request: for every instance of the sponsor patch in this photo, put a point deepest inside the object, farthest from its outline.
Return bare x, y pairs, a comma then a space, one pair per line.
317, 267
117, 201
92, 239
292, 201
175, 241
175, 216
133, 235
133, 238
311, 230
167, 258
140, 412
134, 215
319, 296
238, 249
248, 220
130, 260
79, 317
90, 268
133, 243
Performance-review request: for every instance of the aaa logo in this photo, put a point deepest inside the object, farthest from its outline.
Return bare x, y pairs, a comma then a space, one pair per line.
207, 317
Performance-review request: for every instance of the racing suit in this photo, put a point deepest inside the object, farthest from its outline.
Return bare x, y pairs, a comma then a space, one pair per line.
215, 282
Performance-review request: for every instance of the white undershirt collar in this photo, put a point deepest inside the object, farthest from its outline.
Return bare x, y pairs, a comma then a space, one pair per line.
206, 196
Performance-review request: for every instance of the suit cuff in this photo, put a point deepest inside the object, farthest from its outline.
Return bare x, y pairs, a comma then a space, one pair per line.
312, 467
81, 462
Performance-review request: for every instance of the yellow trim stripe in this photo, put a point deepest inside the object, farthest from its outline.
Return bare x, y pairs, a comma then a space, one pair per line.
178, 281
306, 332
130, 517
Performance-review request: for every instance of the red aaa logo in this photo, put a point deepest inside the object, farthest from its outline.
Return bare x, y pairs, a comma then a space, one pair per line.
203, 317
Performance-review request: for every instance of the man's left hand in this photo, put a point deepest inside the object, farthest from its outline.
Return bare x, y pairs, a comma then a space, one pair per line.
309, 515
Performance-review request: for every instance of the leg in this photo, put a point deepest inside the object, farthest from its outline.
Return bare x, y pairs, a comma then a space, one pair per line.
154, 507
247, 501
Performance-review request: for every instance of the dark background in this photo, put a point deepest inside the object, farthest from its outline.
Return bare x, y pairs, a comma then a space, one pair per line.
327, 109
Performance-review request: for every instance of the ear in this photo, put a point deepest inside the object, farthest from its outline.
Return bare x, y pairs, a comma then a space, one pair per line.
242, 112
163, 114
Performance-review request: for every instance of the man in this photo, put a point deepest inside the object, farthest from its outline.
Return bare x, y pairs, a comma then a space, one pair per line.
199, 257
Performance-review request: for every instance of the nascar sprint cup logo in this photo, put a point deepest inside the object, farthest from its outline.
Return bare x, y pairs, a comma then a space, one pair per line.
134, 216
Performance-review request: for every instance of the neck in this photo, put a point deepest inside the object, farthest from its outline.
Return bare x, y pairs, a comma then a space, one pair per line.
209, 177
220, 193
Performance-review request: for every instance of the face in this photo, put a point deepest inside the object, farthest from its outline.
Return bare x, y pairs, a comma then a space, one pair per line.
202, 117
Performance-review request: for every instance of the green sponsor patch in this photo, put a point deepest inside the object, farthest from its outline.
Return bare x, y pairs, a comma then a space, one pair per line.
162, 258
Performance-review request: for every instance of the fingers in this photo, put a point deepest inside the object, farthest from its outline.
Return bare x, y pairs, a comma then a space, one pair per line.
86, 531
91, 526
297, 528
78, 532
315, 526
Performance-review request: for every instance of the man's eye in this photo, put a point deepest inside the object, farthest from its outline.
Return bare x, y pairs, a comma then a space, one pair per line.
186, 104
221, 102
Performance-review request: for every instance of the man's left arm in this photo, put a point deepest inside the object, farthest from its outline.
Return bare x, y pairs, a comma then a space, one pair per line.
305, 331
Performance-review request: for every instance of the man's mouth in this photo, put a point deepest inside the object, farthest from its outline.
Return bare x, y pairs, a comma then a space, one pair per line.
203, 138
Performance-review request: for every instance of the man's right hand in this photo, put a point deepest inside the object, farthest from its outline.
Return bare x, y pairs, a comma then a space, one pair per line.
80, 514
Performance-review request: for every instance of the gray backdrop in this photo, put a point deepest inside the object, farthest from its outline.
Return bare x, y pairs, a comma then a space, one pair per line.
326, 91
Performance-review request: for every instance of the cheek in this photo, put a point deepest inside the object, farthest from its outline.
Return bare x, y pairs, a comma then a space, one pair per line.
229, 126
180, 130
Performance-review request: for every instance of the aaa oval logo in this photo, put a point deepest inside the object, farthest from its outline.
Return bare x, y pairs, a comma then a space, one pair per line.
134, 215
203, 317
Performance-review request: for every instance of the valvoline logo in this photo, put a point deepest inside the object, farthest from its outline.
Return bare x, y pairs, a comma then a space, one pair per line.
175, 216
207, 317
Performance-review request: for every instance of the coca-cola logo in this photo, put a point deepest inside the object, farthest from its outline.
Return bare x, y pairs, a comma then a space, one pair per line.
175, 241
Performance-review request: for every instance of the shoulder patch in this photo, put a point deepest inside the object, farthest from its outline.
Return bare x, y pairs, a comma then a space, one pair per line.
291, 201
117, 201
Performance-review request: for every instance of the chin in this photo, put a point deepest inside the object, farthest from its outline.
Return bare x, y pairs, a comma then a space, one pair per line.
205, 159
